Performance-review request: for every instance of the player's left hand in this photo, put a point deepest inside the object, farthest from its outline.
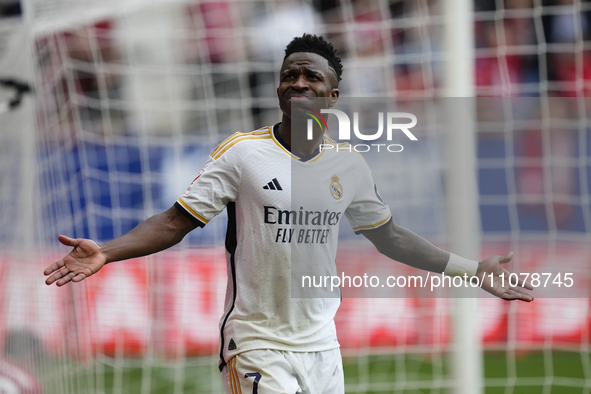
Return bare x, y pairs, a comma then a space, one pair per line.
499, 287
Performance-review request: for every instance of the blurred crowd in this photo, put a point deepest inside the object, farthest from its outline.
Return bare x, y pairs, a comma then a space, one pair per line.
232, 50
527, 50
209, 68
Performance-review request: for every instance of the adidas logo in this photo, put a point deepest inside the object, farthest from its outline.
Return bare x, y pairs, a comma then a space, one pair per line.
273, 185
232, 345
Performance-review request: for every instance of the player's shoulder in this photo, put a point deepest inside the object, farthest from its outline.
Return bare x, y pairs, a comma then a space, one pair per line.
242, 142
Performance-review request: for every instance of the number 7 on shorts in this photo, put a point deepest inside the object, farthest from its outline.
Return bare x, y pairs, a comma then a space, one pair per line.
255, 385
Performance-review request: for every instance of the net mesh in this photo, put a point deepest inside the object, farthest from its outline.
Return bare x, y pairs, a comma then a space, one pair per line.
131, 98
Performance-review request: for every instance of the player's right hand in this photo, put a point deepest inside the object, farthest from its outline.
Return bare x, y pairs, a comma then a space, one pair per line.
83, 261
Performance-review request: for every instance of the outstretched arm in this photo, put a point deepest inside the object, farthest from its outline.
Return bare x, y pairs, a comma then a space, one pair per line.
152, 235
407, 247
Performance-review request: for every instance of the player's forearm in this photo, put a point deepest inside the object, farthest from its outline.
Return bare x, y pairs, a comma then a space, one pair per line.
153, 235
403, 245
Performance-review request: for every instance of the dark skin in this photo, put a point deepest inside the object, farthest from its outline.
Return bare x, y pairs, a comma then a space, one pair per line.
303, 76
150, 236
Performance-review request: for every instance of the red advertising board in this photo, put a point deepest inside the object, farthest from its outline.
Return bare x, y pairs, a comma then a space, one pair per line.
172, 303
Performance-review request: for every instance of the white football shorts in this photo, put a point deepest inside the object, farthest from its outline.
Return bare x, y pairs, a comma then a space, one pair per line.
276, 371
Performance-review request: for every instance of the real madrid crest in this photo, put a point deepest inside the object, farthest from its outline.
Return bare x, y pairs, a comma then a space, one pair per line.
335, 187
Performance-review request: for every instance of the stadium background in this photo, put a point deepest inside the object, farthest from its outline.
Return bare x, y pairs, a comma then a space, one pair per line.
130, 99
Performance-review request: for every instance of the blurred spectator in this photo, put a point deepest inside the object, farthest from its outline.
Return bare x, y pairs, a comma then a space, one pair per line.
568, 67
274, 25
155, 87
23, 352
369, 33
214, 37
417, 76
521, 29
573, 74
566, 21
360, 37
10, 8
547, 169
500, 73
92, 48
212, 22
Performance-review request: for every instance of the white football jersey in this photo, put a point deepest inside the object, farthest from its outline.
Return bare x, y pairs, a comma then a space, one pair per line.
283, 220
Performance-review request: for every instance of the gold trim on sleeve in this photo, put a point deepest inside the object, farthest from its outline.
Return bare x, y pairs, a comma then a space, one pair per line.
191, 211
368, 227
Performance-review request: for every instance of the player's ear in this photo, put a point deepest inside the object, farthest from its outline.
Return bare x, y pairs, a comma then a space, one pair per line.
334, 96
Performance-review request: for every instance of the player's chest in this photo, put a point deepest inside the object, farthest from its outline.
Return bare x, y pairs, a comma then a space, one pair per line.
286, 183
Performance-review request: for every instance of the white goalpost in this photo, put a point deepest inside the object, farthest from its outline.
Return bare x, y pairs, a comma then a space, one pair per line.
462, 188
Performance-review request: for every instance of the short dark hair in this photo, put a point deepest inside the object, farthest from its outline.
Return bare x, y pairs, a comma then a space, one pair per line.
318, 45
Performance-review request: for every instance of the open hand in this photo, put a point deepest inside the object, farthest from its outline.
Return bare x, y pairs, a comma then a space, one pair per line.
83, 261
498, 287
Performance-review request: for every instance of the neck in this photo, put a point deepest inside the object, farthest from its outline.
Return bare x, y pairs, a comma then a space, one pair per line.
300, 146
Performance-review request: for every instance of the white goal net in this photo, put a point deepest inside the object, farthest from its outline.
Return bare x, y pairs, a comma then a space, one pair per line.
131, 96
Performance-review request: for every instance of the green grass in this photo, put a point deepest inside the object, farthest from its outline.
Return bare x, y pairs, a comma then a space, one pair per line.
550, 372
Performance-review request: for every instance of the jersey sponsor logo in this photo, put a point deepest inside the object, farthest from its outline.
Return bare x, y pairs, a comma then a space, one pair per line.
301, 217
302, 236
336, 190
273, 185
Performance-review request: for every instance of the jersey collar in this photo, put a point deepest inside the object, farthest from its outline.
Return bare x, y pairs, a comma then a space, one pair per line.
282, 144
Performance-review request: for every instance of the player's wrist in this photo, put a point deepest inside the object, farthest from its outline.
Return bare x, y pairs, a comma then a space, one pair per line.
459, 266
105, 252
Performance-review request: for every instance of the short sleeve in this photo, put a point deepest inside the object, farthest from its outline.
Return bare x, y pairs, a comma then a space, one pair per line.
367, 211
214, 187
